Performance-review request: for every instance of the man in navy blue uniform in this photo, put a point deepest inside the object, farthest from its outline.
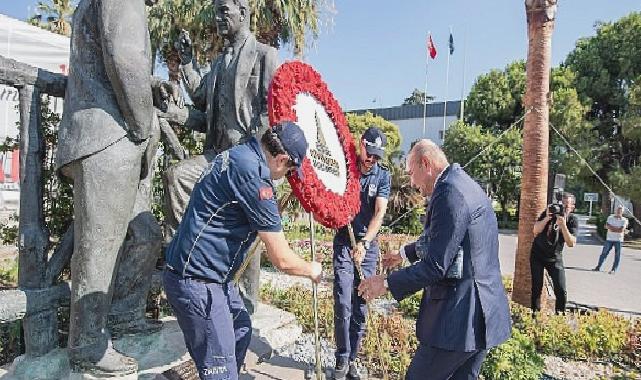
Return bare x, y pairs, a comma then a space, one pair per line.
232, 203
464, 310
350, 310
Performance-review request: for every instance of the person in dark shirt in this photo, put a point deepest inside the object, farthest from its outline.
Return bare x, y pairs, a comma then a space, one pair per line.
350, 310
233, 203
551, 235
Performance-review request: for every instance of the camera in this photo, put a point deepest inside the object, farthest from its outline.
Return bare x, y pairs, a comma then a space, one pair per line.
555, 209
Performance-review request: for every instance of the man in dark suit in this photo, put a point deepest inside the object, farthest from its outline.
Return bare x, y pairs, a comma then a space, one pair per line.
464, 310
233, 94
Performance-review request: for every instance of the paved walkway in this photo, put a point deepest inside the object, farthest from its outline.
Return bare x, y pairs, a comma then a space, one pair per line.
618, 292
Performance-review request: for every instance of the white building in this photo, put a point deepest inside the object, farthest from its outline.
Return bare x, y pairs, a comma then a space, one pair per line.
39, 48
409, 120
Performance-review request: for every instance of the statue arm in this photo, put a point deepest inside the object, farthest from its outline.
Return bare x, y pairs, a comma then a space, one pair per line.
269, 68
195, 85
124, 34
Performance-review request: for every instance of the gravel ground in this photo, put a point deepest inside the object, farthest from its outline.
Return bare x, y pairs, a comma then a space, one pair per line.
557, 369
303, 351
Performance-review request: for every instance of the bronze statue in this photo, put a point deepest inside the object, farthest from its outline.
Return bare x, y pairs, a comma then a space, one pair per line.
233, 94
106, 140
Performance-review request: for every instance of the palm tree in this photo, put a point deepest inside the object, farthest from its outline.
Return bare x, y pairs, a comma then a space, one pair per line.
54, 15
540, 20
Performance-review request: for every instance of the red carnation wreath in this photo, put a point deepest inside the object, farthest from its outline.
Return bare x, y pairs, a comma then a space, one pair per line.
329, 208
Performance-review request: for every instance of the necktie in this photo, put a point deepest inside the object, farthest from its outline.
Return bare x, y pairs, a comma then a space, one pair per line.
229, 54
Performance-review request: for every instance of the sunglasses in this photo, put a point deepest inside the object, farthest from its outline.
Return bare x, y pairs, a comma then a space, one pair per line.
373, 156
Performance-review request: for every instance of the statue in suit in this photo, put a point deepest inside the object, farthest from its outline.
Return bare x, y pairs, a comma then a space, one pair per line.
106, 143
464, 311
233, 96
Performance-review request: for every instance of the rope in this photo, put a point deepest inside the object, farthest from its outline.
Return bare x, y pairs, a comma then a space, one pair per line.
497, 140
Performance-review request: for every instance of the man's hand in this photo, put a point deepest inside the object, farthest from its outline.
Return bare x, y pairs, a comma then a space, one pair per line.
316, 272
392, 260
372, 287
184, 47
560, 221
358, 254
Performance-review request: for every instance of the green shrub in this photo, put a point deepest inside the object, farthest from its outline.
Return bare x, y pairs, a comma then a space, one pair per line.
410, 305
507, 283
516, 359
9, 273
600, 335
11, 345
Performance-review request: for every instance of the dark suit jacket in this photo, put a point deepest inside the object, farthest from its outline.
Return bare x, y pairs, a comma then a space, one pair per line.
109, 86
469, 313
255, 67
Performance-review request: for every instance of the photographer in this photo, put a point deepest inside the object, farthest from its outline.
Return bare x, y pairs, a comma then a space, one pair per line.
555, 227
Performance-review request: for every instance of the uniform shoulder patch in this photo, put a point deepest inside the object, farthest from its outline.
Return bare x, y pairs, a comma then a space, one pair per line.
265, 193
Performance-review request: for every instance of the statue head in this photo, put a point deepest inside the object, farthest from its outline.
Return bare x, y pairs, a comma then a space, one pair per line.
232, 16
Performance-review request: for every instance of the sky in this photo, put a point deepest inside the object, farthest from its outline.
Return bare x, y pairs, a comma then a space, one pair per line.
372, 53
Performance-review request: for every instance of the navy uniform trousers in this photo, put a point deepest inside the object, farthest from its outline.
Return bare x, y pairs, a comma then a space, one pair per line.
350, 310
436, 364
215, 323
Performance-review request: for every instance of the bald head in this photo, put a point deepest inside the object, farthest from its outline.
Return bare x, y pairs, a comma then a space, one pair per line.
424, 163
427, 149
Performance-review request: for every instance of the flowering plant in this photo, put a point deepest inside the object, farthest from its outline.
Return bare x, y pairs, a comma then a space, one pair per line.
329, 208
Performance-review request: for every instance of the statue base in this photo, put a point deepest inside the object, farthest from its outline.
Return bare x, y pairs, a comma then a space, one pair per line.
161, 355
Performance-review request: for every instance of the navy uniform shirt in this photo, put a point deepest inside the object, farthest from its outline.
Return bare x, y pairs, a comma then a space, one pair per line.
233, 199
375, 183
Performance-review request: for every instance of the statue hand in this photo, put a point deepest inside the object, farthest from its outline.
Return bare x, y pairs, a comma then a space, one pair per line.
184, 47
168, 92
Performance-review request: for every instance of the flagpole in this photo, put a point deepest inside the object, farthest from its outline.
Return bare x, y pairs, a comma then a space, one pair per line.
463, 87
447, 80
427, 62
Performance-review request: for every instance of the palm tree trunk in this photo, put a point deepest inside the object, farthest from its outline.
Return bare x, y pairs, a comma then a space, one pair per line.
540, 20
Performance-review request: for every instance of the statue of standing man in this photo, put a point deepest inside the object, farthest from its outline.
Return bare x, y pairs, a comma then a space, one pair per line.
107, 124
234, 97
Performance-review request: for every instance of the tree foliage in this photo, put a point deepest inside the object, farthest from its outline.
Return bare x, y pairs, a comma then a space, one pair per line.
496, 98
417, 97
493, 159
54, 15
496, 102
608, 67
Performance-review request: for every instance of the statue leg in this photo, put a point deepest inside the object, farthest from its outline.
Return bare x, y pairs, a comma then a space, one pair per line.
138, 256
179, 181
250, 282
105, 186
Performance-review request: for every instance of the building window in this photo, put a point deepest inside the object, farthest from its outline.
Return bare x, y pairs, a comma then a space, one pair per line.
440, 135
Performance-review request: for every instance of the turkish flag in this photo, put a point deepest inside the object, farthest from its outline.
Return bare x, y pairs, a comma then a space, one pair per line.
431, 49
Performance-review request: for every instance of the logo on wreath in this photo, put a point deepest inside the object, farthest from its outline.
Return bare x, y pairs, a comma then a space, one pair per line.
322, 158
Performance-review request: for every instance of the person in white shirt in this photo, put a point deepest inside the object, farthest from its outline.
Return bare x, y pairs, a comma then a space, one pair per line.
616, 226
